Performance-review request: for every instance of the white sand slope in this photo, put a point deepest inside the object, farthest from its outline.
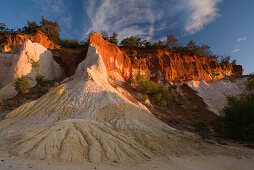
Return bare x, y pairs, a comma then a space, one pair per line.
86, 119
215, 93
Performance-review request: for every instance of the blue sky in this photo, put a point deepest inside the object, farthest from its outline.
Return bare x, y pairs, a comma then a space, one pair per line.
226, 25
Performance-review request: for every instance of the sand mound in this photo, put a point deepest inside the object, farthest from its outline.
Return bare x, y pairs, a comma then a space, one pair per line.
86, 119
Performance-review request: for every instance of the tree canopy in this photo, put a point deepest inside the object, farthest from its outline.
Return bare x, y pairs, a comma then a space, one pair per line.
113, 39
171, 41
104, 34
133, 41
50, 28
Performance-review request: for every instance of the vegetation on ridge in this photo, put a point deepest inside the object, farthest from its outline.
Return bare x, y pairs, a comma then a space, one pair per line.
158, 94
52, 30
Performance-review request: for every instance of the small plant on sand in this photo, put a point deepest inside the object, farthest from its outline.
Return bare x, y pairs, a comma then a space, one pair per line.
145, 98
39, 78
22, 84
202, 129
130, 81
35, 65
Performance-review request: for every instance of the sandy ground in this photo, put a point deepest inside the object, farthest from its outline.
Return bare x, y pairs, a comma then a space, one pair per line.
8, 162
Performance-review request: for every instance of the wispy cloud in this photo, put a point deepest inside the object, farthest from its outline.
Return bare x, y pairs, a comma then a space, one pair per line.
236, 50
241, 39
149, 18
202, 12
126, 17
67, 21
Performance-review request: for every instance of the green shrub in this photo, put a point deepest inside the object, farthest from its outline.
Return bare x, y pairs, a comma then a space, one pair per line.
185, 84
193, 108
35, 65
41, 92
162, 96
237, 121
39, 78
250, 84
145, 97
148, 87
157, 93
69, 43
139, 77
202, 129
22, 84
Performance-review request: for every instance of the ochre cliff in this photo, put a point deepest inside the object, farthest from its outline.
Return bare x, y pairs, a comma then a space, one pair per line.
160, 65
13, 43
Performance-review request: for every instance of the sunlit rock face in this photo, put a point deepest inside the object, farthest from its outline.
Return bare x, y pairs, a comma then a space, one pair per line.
215, 93
86, 119
14, 43
35, 52
169, 66
161, 65
16, 65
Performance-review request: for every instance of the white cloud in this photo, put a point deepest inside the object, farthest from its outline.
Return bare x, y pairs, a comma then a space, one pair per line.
67, 21
236, 50
202, 12
148, 18
124, 17
241, 39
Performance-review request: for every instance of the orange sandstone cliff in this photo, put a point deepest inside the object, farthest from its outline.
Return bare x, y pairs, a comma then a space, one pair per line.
13, 43
161, 65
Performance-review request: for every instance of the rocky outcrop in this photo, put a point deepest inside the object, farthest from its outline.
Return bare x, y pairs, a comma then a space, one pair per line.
14, 43
172, 67
86, 119
16, 65
160, 65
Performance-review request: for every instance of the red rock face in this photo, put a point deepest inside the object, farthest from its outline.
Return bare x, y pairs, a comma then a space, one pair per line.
160, 65
14, 43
